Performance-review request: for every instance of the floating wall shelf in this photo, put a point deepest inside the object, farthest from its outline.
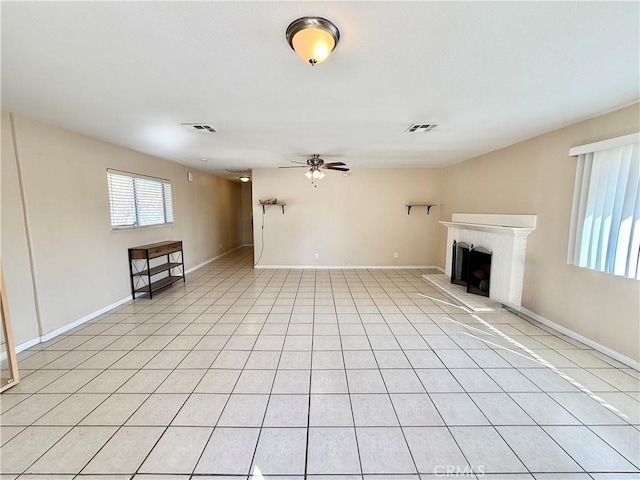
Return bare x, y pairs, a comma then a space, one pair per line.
427, 205
265, 205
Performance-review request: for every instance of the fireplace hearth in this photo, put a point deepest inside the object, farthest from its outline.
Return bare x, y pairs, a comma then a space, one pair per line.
471, 267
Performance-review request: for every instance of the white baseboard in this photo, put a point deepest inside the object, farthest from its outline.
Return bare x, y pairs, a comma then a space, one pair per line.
22, 346
207, 262
200, 265
440, 269
576, 336
86, 318
587, 341
69, 326
345, 267
76, 323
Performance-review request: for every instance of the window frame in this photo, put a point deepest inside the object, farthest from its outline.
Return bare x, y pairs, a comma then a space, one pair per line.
167, 213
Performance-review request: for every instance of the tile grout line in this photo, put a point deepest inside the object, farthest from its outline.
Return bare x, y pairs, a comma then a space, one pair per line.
455, 440
490, 422
406, 443
353, 418
313, 323
273, 381
198, 297
160, 426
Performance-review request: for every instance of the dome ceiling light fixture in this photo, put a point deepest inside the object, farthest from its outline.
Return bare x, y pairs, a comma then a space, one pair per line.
313, 38
244, 178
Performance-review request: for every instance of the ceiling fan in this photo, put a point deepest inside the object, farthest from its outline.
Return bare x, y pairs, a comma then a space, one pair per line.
315, 165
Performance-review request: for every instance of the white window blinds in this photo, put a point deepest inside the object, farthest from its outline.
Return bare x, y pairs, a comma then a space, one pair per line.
138, 201
605, 222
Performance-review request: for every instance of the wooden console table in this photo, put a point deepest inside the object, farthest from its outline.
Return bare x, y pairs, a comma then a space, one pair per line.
142, 273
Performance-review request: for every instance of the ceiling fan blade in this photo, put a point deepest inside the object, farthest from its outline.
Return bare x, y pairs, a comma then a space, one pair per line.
297, 166
301, 163
337, 168
335, 164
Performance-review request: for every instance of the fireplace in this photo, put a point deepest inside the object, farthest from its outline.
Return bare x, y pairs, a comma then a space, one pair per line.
471, 266
505, 239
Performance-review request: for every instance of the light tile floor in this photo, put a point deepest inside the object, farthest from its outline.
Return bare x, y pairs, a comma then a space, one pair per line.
340, 374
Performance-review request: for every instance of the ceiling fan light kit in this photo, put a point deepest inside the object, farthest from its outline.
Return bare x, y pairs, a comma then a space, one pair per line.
313, 38
315, 174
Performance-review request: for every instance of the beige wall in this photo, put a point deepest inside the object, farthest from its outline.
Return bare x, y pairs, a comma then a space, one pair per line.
247, 214
80, 265
536, 177
359, 220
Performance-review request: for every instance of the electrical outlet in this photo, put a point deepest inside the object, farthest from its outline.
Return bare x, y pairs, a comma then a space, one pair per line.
395, 254
220, 245
316, 256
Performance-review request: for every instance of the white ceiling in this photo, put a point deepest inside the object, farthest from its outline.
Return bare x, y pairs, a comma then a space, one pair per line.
490, 74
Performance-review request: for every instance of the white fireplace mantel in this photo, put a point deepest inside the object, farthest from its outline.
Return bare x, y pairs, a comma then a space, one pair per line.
506, 237
499, 230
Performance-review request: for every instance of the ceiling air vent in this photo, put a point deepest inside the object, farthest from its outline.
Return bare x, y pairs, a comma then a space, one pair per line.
421, 127
238, 170
199, 127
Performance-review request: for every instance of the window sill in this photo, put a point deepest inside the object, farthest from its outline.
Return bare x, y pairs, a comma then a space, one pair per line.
142, 227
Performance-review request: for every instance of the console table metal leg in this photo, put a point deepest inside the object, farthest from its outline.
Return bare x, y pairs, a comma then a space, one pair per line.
149, 276
133, 287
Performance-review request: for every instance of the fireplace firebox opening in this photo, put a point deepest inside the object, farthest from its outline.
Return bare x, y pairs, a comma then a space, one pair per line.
460, 263
471, 266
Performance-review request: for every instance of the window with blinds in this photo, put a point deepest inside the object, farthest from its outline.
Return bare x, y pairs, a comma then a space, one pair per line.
605, 223
138, 201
